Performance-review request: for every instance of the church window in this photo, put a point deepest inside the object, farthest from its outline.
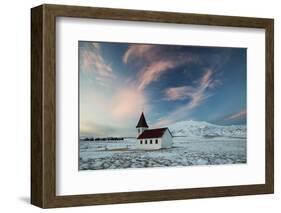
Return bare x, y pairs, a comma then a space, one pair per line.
156, 141
150, 141
145, 141
140, 141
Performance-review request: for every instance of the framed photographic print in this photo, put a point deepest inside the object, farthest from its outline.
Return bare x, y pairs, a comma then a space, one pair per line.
136, 106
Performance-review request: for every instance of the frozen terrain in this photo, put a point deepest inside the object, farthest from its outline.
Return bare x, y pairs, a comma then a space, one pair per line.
194, 143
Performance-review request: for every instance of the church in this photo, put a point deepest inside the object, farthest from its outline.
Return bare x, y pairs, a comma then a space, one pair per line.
150, 139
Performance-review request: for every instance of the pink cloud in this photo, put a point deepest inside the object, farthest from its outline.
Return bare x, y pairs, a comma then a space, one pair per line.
179, 93
153, 72
155, 62
92, 62
126, 102
196, 100
155, 69
206, 79
118, 108
237, 116
195, 94
136, 51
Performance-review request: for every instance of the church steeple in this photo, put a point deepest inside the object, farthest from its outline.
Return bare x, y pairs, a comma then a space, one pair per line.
142, 122
142, 125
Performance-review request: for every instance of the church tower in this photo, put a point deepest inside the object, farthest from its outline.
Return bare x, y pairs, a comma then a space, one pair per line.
142, 125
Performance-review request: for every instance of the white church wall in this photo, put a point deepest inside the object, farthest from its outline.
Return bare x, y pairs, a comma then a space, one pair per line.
167, 140
149, 146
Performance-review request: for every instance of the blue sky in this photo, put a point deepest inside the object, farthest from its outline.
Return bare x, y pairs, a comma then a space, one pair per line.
169, 83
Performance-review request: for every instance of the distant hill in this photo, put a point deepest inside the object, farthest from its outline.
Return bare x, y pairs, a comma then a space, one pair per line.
204, 129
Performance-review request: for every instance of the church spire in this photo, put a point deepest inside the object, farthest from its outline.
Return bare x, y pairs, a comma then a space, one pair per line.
142, 122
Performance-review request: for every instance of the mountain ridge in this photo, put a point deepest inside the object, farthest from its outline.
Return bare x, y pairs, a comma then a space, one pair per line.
192, 128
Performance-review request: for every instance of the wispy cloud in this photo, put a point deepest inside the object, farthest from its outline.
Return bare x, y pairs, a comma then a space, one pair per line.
91, 61
237, 116
179, 93
153, 72
188, 78
156, 61
194, 94
118, 108
96, 45
137, 51
127, 102
158, 67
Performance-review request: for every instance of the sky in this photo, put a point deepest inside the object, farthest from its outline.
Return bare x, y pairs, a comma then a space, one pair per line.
169, 83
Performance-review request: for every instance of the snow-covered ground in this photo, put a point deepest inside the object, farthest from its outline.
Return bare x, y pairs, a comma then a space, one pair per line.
185, 152
194, 143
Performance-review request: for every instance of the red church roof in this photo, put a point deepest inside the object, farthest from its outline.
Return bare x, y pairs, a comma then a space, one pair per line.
142, 121
152, 133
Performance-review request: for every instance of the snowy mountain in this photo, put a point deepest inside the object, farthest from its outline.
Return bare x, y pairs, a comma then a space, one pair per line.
205, 129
